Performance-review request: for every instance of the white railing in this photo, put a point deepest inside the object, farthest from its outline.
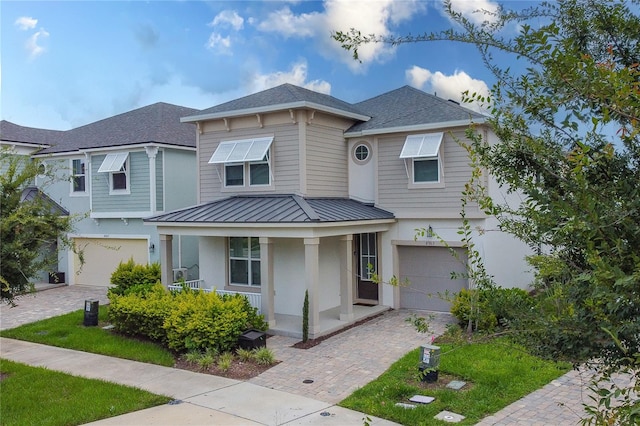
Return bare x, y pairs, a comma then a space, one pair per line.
255, 299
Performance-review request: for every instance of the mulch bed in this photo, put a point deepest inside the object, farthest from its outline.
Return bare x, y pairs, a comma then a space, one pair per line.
239, 370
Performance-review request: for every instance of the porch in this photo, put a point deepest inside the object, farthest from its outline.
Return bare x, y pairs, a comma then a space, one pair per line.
291, 325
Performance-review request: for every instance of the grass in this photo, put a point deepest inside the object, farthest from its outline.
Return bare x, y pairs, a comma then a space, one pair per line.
37, 396
68, 331
497, 375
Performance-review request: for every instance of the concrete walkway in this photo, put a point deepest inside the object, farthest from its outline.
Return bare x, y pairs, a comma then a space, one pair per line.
337, 367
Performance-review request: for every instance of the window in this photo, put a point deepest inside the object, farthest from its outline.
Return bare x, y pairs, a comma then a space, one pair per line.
245, 160
78, 176
368, 257
244, 261
424, 153
117, 167
362, 152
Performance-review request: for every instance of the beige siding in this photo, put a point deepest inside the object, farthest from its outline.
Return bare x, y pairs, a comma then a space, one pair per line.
284, 154
326, 163
393, 182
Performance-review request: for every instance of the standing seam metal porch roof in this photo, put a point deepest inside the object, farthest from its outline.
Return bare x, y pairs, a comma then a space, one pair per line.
275, 209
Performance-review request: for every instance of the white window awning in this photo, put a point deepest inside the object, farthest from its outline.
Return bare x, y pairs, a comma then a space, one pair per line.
113, 162
426, 145
241, 150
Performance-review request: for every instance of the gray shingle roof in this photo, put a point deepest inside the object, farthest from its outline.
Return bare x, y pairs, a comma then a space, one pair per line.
285, 94
32, 193
275, 209
407, 107
156, 123
11, 132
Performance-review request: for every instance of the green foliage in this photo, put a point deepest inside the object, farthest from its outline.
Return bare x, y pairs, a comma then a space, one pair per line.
224, 361
305, 317
264, 356
569, 126
29, 228
68, 331
144, 315
472, 307
254, 319
132, 277
244, 354
38, 396
488, 367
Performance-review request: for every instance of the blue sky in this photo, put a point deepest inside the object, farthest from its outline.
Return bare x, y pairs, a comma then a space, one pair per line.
68, 63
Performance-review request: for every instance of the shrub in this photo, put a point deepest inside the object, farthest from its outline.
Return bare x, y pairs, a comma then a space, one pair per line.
495, 306
254, 319
481, 316
201, 320
137, 315
244, 355
264, 356
224, 361
130, 276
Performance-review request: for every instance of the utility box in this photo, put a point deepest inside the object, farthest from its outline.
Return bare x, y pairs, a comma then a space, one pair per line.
252, 339
91, 312
429, 363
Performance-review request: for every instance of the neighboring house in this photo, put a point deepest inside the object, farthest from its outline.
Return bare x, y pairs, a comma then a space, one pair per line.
298, 191
113, 173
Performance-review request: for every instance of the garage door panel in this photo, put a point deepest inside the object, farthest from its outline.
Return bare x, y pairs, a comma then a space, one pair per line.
102, 256
428, 273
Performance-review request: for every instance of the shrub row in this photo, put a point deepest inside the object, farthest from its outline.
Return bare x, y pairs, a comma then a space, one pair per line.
186, 320
130, 276
492, 307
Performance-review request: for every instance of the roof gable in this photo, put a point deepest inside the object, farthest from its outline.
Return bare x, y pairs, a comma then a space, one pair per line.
277, 98
156, 123
409, 107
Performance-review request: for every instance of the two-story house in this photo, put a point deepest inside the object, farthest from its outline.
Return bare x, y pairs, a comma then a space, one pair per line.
111, 174
300, 191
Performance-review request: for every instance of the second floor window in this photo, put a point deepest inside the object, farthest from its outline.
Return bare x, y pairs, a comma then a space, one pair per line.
246, 162
78, 176
423, 154
117, 165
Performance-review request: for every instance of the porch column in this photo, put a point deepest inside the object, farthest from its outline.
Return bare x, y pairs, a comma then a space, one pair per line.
267, 289
346, 278
166, 259
152, 151
311, 271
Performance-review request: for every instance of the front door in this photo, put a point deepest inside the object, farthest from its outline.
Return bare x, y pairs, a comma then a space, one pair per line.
367, 267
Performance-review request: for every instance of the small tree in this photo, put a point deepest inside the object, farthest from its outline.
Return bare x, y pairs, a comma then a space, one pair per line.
28, 228
569, 126
305, 317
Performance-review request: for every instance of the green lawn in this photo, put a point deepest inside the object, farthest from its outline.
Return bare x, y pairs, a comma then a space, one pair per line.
37, 396
68, 331
498, 374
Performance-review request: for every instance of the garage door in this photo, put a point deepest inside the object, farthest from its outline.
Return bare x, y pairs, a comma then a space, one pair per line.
102, 256
425, 272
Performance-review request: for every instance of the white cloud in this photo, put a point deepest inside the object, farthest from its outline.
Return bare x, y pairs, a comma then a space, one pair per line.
228, 18
369, 17
473, 9
297, 75
26, 23
32, 45
447, 86
284, 22
219, 44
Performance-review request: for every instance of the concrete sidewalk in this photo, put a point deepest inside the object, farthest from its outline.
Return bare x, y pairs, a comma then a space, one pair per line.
198, 398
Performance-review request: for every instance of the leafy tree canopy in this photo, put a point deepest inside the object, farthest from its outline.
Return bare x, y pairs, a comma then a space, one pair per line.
569, 126
29, 228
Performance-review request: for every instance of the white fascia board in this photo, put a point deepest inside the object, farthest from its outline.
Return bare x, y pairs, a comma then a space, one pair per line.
273, 108
415, 128
130, 148
120, 215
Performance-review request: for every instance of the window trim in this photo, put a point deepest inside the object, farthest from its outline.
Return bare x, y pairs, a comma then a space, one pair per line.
354, 151
424, 147
84, 175
127, 172
249, 259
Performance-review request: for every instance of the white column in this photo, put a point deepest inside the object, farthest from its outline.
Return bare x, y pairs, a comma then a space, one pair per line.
166, 259
346, 278
152, 151
311, 271
267, 289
